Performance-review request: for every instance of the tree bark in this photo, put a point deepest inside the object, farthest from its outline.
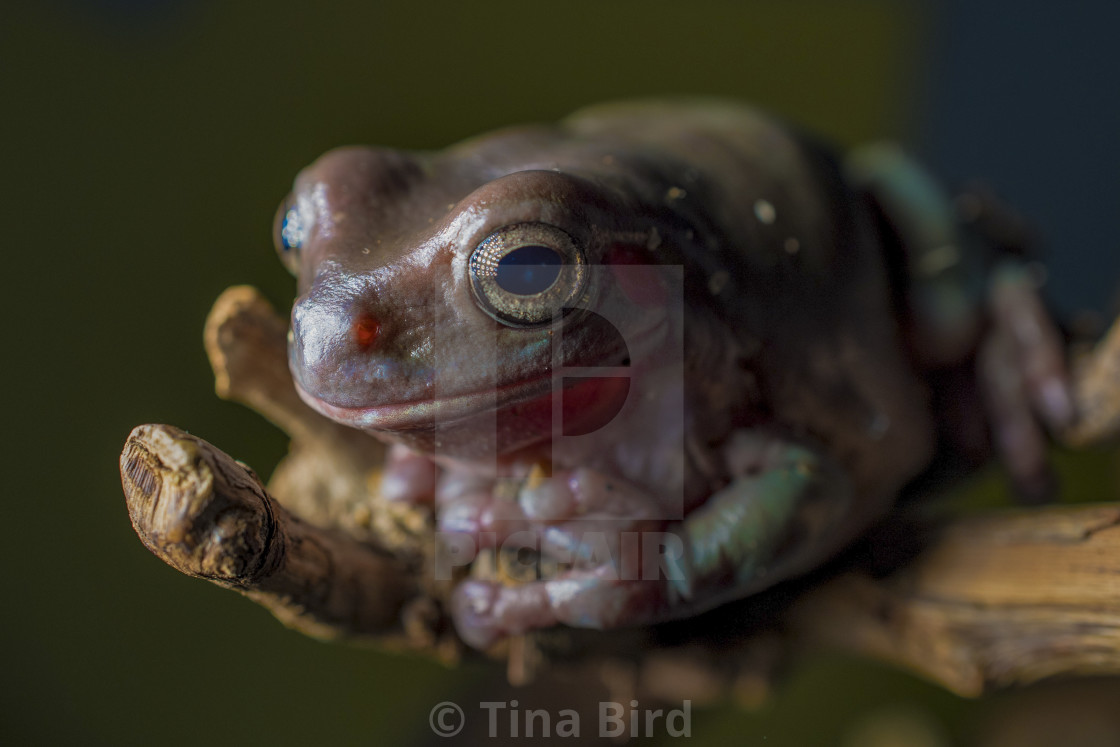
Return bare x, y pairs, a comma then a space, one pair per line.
995, 600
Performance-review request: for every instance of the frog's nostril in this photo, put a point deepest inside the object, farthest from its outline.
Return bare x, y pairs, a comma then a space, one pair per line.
365, 330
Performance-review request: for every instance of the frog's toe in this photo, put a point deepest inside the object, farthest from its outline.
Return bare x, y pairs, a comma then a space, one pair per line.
596, 540
408, 477
479, 506
585, 518
1025, 380
485, 612
1019, 437
1035, 346
569, 494
490, 520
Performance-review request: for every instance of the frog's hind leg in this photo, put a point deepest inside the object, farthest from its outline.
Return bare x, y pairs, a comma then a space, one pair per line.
969, 292
940, 276
1024, 380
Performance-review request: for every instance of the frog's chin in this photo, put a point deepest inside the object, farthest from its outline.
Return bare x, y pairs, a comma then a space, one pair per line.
429, 414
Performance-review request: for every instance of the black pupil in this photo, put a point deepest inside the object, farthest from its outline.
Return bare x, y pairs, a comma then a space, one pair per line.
529, 270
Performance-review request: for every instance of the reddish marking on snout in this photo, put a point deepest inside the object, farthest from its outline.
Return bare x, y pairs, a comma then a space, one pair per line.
637, 276
366, 330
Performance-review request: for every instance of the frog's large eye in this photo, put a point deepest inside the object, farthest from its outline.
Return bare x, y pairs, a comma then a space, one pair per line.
526, 274
288, 234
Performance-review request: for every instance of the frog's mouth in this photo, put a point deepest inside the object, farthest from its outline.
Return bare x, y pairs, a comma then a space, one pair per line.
584, 397
527, 411
427, 414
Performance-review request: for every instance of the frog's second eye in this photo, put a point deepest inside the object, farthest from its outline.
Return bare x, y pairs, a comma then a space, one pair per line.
289, 234
526, 274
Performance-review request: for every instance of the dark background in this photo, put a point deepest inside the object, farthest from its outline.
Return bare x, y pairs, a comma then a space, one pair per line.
145, 146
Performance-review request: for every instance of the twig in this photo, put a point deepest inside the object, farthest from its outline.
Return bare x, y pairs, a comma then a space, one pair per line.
992, 601
1097, 390
998, 600
208, 516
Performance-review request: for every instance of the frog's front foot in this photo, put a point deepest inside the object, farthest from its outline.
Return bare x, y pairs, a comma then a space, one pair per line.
588, 524
775, 517
1024, 380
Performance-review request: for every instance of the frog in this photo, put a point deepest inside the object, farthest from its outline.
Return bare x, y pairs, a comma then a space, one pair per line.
672, 353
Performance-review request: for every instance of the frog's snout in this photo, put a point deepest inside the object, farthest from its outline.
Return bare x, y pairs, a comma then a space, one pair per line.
332, 340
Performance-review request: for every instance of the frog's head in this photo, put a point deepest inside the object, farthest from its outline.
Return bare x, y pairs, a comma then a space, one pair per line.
431, 289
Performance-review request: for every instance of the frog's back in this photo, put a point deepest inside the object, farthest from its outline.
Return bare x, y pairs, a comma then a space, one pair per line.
798, 271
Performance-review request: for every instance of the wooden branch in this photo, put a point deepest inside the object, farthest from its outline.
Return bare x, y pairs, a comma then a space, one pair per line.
1097, 391
992, 601
331, 476
998, 600
340, 561
208, 516
1002, 599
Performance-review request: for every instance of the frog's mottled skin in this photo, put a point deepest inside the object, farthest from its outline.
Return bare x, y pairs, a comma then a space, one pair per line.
808, 326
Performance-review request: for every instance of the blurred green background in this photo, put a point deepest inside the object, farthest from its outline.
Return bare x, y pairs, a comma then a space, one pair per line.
145, 146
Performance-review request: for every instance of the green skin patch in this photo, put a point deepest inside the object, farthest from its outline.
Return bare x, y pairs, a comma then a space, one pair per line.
741, 528
948, 271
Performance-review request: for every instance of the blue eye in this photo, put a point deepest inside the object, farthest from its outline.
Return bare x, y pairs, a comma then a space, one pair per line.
529, 270
528, 274
292, 232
